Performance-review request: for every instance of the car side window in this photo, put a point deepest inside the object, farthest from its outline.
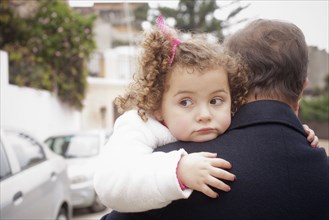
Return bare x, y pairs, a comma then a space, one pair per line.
28, 151
4, 168
107, 136
59, 144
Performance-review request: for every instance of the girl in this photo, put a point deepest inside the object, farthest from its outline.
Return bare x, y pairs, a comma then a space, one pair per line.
183, 90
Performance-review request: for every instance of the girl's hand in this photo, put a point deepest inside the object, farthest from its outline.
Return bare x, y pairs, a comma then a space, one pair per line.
200, 170
311, 137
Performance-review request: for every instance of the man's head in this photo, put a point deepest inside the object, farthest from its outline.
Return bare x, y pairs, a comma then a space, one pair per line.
276, 55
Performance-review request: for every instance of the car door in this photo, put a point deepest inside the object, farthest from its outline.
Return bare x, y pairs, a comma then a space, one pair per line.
28, 190
5, 173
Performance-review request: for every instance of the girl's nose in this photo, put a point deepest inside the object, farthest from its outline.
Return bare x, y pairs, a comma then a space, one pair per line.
203, 115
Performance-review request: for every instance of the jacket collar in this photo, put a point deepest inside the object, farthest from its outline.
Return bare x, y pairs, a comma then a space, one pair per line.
266, 111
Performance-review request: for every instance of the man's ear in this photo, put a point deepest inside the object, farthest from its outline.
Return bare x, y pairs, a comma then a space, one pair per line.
296, 105
158, 115
305, 83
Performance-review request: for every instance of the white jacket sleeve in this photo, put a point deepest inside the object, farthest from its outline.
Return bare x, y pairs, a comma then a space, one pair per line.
129, 177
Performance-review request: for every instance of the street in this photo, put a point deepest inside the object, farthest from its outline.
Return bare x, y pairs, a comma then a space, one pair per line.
83, 214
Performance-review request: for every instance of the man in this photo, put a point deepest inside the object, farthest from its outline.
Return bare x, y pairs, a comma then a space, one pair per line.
278, 175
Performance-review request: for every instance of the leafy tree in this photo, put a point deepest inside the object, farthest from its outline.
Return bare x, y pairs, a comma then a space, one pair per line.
140, 14
48, 50
317, 108
326, 86
198, 16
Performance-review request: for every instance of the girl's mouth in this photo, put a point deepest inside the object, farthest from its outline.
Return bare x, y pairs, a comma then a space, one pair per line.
205, 130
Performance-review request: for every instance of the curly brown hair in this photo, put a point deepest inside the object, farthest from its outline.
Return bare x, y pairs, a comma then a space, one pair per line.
146, 90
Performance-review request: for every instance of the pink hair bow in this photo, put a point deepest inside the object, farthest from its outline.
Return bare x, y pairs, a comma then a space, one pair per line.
175, 41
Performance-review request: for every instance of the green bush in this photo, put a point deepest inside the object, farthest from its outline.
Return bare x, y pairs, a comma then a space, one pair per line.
49, 49
315, 109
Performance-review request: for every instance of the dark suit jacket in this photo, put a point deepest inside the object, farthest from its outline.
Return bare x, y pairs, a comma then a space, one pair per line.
279, 176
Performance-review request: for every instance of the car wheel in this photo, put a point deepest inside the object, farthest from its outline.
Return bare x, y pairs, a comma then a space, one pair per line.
62, 215
97, 206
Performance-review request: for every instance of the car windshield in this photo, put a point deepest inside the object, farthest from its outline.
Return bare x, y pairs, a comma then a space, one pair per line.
75, 146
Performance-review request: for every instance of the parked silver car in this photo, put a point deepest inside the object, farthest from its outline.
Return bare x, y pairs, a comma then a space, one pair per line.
33, 180
80, 150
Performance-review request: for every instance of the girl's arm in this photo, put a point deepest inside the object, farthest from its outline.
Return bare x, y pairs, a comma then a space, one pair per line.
129, 177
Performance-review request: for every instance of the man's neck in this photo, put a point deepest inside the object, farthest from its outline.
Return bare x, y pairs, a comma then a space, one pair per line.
254, 97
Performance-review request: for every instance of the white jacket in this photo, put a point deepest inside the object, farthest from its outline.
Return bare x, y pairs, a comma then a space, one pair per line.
129, 177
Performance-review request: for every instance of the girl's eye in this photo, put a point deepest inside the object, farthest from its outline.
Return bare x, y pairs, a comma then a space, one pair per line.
216, 101
186, 102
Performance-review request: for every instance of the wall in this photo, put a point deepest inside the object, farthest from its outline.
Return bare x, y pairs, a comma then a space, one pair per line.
318, 67
98, 111
119, 65
36, 111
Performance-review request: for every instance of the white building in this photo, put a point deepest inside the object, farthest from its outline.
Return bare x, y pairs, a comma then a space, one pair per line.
118, 65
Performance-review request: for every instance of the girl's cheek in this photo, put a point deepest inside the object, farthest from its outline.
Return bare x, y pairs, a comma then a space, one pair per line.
180, 129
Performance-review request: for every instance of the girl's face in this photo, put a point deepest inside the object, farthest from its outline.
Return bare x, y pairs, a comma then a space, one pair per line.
196, 106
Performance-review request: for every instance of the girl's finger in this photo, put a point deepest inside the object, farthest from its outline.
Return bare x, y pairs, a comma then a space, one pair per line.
221, 163
315, 142
209, 192
311, 135
306, 128
216, 183
208, 154
222, 174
